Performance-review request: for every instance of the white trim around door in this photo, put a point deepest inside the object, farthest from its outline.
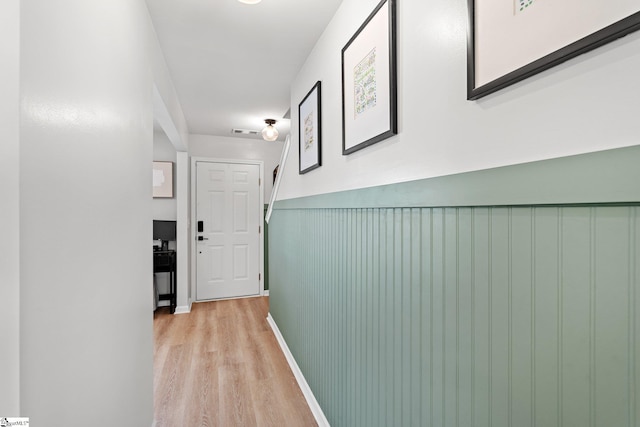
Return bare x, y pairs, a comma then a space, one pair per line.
194, 221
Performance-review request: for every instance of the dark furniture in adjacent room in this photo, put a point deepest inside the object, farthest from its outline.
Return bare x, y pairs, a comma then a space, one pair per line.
164, 259
165, 262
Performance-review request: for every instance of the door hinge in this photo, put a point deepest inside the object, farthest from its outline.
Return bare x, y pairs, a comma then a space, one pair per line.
259, 229
259, 182
259, 276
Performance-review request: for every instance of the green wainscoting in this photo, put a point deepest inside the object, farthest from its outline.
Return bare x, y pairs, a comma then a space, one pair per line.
463, 316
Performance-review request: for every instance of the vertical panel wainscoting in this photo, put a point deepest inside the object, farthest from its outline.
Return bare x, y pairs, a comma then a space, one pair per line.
483, 316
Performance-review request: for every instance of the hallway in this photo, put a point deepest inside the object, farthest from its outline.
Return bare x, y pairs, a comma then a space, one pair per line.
221, 365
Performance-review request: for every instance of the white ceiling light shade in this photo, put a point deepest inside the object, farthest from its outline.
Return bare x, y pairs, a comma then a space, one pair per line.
250, 1
270, 133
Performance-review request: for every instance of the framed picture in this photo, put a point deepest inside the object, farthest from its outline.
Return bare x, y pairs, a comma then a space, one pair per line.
162, 179
369, 81
511, 40
310, 131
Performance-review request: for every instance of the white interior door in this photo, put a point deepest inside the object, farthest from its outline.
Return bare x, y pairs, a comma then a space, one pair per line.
229, 214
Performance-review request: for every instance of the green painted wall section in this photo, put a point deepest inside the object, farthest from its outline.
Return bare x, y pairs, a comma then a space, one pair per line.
610, 176
463, 316
484, 316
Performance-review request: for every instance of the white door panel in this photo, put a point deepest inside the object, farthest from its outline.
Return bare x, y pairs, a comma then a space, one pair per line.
228, 203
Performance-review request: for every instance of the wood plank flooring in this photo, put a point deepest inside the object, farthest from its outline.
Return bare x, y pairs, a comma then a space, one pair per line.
221, 365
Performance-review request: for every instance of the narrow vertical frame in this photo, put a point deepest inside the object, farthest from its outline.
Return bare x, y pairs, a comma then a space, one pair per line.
310, 130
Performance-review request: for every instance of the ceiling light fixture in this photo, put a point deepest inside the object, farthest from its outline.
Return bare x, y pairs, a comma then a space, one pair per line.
250, 1
270, 133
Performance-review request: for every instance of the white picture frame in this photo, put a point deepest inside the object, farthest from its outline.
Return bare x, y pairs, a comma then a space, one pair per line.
162, 179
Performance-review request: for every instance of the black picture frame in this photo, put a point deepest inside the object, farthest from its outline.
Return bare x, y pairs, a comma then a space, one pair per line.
582, 45
369, 109
310, 130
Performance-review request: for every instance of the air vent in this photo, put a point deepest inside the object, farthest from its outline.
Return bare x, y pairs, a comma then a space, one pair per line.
244, 132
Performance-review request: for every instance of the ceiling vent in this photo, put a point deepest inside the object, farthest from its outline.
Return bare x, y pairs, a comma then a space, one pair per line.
244, 132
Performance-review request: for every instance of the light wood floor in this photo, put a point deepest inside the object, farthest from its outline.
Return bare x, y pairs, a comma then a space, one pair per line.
221, 365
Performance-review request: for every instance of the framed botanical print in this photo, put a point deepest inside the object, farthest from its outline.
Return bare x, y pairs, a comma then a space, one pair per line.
369, 81
310, 130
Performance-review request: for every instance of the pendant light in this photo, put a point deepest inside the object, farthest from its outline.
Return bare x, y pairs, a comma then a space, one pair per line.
269, 133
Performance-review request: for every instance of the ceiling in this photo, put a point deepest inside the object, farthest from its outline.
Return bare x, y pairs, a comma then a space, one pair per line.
231, 63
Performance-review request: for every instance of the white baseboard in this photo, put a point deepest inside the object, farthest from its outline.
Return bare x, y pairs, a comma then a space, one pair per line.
265, 293
302, 382
183, 309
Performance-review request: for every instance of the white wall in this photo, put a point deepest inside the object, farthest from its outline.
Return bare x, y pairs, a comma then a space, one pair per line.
85, 167
9, 209
587, 104
163, 150
167, 108
239, 148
